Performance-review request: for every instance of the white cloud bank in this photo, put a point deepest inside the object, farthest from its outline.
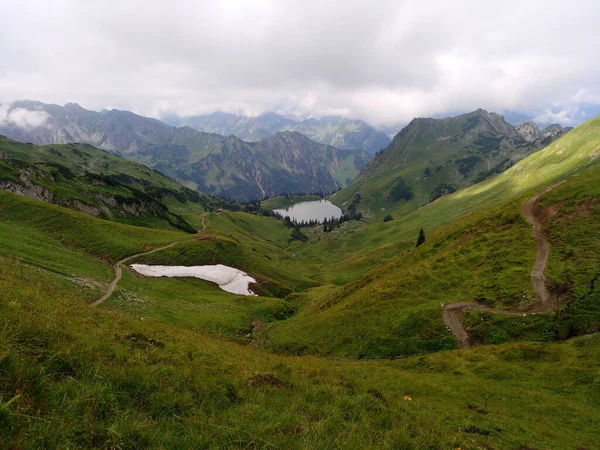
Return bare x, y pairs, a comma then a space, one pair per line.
22, 118
385, 61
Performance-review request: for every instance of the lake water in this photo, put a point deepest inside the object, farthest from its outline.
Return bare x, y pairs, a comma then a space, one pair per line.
314, 210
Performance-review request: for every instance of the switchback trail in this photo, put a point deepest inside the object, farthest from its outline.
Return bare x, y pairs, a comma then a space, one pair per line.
542, 304
119, 272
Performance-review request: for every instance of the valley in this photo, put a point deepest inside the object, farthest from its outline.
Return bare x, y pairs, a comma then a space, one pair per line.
263, 225
348, 334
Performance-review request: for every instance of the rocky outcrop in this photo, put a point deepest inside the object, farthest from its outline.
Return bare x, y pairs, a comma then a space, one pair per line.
555, 131
28, 189
337, 131
529, 131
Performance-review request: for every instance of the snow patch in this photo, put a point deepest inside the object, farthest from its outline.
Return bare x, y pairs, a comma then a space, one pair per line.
227, 278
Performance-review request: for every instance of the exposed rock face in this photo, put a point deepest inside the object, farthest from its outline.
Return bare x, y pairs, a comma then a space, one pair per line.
529, 131
555, 131
28, 189
286, 163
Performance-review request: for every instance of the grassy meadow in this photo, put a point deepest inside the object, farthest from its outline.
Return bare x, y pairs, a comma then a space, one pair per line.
72, 376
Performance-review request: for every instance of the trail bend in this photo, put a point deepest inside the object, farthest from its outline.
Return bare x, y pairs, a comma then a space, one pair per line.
119, 271
543, 302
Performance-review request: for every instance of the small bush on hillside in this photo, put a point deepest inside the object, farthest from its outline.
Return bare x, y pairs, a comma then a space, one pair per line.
401, 191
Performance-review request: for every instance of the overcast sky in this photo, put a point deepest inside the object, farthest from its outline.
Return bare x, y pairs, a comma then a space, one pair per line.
378, 60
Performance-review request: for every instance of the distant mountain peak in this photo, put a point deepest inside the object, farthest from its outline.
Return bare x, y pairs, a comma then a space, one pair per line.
529, 131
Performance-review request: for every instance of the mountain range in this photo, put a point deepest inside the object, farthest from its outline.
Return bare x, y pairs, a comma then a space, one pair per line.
337, 131
284, 163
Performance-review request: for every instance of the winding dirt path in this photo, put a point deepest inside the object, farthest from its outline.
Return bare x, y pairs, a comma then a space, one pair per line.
543, 302
119, 272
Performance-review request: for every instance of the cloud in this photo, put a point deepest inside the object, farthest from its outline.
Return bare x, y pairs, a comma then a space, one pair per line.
384, 61
22, 118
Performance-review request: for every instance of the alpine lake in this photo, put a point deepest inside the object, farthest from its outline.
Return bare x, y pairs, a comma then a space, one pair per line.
318, 210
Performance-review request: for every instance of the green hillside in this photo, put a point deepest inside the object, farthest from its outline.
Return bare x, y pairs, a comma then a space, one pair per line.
431, 158
98, 183
363, 249
77, 376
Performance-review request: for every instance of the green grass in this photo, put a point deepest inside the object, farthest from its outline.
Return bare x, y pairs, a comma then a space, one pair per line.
429, 154
101, 184
484, 256
106, 240
72, 376
196, 304
396, 308
573, 229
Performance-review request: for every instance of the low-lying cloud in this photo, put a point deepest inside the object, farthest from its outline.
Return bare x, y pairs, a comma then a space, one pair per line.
384, 61
22, 118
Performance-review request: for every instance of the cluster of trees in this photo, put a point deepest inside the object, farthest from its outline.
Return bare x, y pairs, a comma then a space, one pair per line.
401, 191
333, 223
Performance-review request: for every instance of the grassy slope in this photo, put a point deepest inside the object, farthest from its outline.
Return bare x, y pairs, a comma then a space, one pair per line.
573, 227
431, 152
364, 249
73, 244
485, 256
81, 377
102, 184
82, 158
395, 308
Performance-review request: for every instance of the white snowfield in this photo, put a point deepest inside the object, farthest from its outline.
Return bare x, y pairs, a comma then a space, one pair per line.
229, 279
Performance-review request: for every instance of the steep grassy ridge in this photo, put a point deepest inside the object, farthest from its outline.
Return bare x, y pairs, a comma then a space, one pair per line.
395, 308
95, 182
573, 230
430, 158
364, 249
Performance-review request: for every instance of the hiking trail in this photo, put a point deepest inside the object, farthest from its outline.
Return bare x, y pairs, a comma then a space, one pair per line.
542, 304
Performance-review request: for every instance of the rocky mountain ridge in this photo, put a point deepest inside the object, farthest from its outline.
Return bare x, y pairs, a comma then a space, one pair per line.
211, 163
333, 130
530, 132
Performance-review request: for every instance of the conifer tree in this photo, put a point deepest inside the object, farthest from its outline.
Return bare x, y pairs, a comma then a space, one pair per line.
421, 238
